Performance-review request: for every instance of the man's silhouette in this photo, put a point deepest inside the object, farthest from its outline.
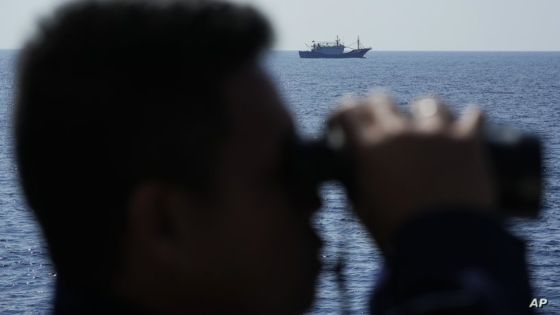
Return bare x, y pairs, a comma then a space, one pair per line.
150, 147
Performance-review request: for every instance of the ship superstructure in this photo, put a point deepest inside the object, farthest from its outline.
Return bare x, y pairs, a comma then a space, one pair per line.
334, 49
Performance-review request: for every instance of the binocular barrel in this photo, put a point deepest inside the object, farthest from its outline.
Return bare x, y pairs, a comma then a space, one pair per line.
514, 157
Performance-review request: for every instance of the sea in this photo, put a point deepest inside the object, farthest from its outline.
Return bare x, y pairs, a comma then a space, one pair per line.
521, 89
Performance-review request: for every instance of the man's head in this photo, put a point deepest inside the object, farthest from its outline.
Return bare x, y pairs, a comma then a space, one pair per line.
149, 144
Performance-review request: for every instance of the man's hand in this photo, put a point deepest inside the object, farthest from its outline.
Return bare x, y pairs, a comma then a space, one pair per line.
408, 165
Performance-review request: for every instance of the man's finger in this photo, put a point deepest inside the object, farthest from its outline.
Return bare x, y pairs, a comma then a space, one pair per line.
470, 123
347, 123
431, 114
369, 119
385, 112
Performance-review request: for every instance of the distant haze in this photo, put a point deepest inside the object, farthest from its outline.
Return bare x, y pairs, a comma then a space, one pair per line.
383, 24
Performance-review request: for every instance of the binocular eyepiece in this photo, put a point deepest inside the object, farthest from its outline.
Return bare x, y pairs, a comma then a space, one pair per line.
514, 157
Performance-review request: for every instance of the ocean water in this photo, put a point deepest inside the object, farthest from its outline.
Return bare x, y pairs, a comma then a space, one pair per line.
521, 89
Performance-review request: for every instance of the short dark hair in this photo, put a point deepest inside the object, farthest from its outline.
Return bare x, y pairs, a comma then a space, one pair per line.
113, 93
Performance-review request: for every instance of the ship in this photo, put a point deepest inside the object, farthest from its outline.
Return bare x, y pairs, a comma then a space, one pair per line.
334, 49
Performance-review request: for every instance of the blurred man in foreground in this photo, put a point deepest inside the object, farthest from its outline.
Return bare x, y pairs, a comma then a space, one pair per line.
150, 146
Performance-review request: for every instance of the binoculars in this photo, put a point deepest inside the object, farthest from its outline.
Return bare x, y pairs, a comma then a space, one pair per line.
514, 157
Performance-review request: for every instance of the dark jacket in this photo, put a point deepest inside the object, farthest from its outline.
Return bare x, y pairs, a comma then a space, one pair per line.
454, 263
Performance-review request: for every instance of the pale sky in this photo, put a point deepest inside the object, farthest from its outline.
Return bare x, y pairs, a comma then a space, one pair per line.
383, 24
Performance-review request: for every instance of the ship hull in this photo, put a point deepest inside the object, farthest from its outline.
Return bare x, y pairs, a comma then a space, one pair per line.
356, 53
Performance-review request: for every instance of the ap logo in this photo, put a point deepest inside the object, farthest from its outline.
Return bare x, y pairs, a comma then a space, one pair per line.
539, 303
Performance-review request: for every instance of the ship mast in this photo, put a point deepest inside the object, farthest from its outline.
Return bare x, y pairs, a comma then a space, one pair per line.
358, 42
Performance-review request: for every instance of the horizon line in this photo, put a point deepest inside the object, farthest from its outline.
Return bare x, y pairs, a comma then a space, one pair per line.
403, 50
438, 50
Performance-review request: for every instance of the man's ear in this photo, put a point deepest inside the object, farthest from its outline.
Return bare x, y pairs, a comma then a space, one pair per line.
158, 217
